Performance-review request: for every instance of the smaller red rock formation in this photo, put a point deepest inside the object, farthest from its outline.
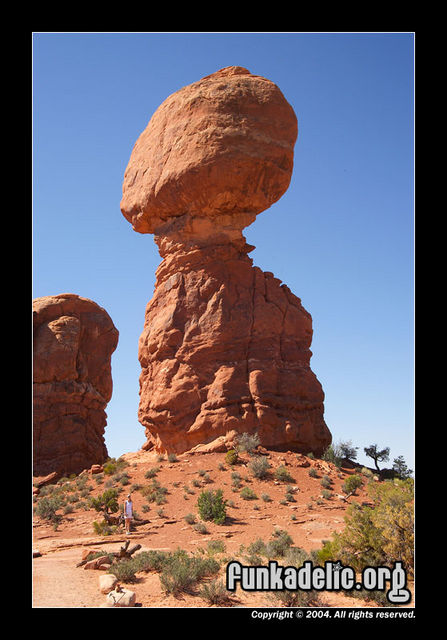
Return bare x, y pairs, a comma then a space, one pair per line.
73, 341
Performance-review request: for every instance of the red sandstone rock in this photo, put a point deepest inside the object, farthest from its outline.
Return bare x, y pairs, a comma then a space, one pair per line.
225, 347
221, 147
73, 340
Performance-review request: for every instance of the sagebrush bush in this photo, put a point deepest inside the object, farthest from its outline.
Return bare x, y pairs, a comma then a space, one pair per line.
200, 528
124, 570
379, 535
151, 473
111, 466
295, 557
259, 467
215, 546
282, 474
190, 518
296, 598
248, 442
215, 592
181, 571
155, 492
278, 545
231, 457
46, 508
102, 528
352, 483
248, 494
212, 506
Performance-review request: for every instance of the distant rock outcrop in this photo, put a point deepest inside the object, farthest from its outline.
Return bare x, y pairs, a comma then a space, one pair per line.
225, 347
73, 341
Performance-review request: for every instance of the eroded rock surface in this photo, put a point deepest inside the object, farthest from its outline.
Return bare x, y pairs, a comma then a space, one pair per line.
73, 341
225, 347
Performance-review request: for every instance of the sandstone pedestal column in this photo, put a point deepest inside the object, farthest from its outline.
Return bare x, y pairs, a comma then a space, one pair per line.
225, 347
73, 341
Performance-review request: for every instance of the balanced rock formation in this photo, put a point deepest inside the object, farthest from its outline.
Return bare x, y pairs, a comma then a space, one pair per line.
225, 347
73, 341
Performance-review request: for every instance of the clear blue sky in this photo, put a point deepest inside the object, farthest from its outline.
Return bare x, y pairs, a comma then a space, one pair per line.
341, 237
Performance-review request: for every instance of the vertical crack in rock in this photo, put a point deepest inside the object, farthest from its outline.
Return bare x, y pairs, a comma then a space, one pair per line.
213, 156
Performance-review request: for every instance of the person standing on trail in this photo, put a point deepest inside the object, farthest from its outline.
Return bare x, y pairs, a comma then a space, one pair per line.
128, 512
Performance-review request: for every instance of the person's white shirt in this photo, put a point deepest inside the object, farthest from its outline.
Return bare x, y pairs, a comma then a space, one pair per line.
128, 509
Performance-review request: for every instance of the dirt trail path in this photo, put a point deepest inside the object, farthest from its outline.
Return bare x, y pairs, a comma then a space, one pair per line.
56, 584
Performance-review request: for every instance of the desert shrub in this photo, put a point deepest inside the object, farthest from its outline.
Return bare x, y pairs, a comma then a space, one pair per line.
181, 571
379, 597
327, 495
200, 528
47, 506
215, 546
215, 592
155, 492
248, 494
283, 475
278, 545
149, 560
190, 518
248, 442
212, 506
151, 473
295, 598
259, 467
106, 502
111, 466
379, 535
313, 472
333, 454
326, 482
352, 483
295, 557
231, 457
102, 528
124, 570
172, 457
266, 497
